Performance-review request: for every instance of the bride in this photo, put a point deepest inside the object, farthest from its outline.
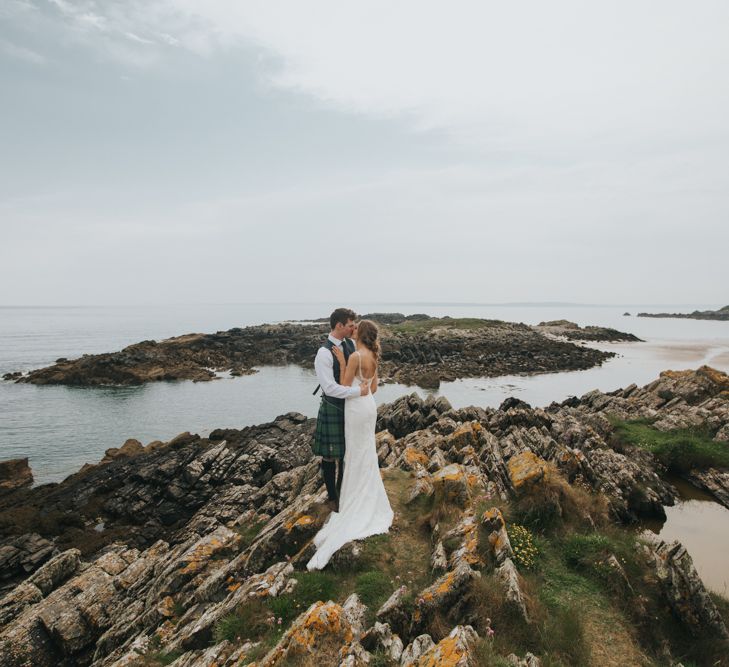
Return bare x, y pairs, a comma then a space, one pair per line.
364, 509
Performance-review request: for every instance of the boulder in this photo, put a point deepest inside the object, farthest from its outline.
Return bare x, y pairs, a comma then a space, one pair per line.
458, 649
15, 474
323, 622
525, 470
381, 638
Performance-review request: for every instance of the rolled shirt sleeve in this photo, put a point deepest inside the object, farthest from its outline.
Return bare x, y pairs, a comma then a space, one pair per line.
324, 367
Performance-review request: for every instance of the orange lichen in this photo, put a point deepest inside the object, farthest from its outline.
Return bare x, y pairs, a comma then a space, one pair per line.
526, 468
414, 456
472, 479
493, 515
165, 631
166, 607
446, 653
445, 584
324, 618
451, 473
716, 376
470, 546
201, 555
303, 520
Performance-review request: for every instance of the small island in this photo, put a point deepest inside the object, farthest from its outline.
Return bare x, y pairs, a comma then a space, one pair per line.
722, 314
417, 350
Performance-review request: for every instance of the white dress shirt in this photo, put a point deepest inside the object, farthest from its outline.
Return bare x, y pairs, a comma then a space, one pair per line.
324, 367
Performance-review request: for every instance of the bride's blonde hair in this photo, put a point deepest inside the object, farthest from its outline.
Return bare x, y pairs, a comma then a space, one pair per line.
369, 335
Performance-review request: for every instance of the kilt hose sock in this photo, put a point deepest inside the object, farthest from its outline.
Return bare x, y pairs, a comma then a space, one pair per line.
328, 469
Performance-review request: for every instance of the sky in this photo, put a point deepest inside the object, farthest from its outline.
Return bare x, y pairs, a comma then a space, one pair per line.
172, 151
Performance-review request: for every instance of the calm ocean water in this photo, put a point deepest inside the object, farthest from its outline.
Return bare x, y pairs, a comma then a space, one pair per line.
61, 428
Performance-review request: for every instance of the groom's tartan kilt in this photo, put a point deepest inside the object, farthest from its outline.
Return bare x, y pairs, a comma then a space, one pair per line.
329, 434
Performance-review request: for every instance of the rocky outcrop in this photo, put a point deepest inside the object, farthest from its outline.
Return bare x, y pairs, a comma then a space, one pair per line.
171, 492
14, 474
685, 591
571, 331
722, 314
716, 482
22, 554
411, 413
420, 352
456, 650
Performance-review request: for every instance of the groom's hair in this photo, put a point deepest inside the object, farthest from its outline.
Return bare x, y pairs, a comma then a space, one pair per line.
341, 316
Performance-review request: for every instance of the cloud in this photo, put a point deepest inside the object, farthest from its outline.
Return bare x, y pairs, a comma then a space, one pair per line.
21, 53
529, 77
137, 38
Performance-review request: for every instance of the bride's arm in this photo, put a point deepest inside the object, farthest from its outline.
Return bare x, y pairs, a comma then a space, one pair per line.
373, 386
352, 366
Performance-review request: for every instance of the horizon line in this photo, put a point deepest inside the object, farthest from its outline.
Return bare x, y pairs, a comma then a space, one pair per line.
550, 304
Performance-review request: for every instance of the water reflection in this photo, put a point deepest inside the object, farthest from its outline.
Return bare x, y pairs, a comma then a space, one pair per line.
702, 525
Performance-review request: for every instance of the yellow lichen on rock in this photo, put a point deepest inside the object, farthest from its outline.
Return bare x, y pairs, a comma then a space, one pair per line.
166, 607
414, 456
464, 435
444, 654
304, 520
455, 650
451, 473
201, 555
525, 469
322, 621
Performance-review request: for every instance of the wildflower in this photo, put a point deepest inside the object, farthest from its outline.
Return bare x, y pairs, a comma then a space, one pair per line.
490, 632
280, 620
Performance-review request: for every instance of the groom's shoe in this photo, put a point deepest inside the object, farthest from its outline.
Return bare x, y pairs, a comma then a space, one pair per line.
333, 505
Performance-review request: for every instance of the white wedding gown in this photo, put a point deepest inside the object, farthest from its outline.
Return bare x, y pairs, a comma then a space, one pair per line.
364, 509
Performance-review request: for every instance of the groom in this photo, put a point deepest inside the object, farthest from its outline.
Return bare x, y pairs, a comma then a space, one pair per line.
329, 435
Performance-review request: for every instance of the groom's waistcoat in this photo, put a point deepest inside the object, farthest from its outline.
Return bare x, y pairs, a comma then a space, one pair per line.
347, 348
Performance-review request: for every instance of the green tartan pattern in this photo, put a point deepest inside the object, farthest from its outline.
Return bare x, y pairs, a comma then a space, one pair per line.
329, 434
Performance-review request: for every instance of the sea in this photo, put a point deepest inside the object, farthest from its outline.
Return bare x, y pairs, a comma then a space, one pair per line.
61, 428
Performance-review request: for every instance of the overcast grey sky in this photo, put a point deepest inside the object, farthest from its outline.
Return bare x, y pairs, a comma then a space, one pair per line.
159, 151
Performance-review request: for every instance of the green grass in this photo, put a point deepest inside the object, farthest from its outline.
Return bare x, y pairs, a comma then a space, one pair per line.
679, 450
248, 622
373, 589
579, 549
486, 656
315, 586
257, 620
374, 551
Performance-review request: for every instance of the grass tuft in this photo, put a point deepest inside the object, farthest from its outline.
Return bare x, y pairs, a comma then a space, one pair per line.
553, 503
373, 588
680, 450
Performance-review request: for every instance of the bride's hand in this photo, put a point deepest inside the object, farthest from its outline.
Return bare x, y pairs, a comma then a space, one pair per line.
338, 354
